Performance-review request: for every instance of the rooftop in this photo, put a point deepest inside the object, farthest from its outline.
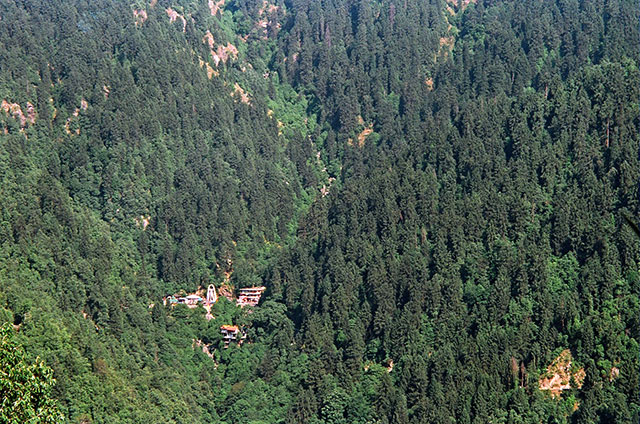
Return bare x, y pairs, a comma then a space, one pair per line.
261, 288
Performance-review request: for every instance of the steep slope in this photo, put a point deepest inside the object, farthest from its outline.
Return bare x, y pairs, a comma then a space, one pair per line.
430, 191
483, 228
130, 171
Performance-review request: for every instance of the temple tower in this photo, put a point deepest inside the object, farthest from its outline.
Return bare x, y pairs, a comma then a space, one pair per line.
212, 297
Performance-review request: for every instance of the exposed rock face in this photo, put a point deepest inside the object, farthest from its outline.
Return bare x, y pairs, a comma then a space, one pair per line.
226, 292
208, 39
220, 53
268, 9
362, 136
210, 71
84, 105
239, 92
139, 16
390, 365
453, 7
446, 44
224, 53
174, 16
614, 373
268, 19
67, 125
215, 6
205, 349
461, 4
429, 83
559, 374
14, 109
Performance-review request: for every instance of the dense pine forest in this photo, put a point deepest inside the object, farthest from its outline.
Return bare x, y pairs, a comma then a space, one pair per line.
432, 192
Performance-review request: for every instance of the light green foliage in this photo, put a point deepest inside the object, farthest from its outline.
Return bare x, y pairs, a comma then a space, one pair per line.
25, 386
292, 109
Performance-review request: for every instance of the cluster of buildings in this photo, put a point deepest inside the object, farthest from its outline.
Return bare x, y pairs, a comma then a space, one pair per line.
247, 296
192, 300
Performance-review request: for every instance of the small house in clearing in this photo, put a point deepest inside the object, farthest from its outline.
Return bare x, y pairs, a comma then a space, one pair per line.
250, 295
231, 333
192, 301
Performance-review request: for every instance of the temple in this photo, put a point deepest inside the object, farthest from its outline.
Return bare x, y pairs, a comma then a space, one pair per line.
250, 295
212, 296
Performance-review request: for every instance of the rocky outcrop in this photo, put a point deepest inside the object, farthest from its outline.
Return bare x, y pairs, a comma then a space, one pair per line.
215, 6
208, 39
461, 4
220, 53
224, 53
560, 374
174, 16
446, 45
429, 83
238, 92
14, 110
84, 105
139, 16
362, 135
268, 19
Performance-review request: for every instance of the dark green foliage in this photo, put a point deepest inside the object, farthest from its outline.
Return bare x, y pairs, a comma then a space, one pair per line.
632, 224
431, 197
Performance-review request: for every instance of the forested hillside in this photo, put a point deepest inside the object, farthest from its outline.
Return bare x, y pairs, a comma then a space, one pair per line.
432, 193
